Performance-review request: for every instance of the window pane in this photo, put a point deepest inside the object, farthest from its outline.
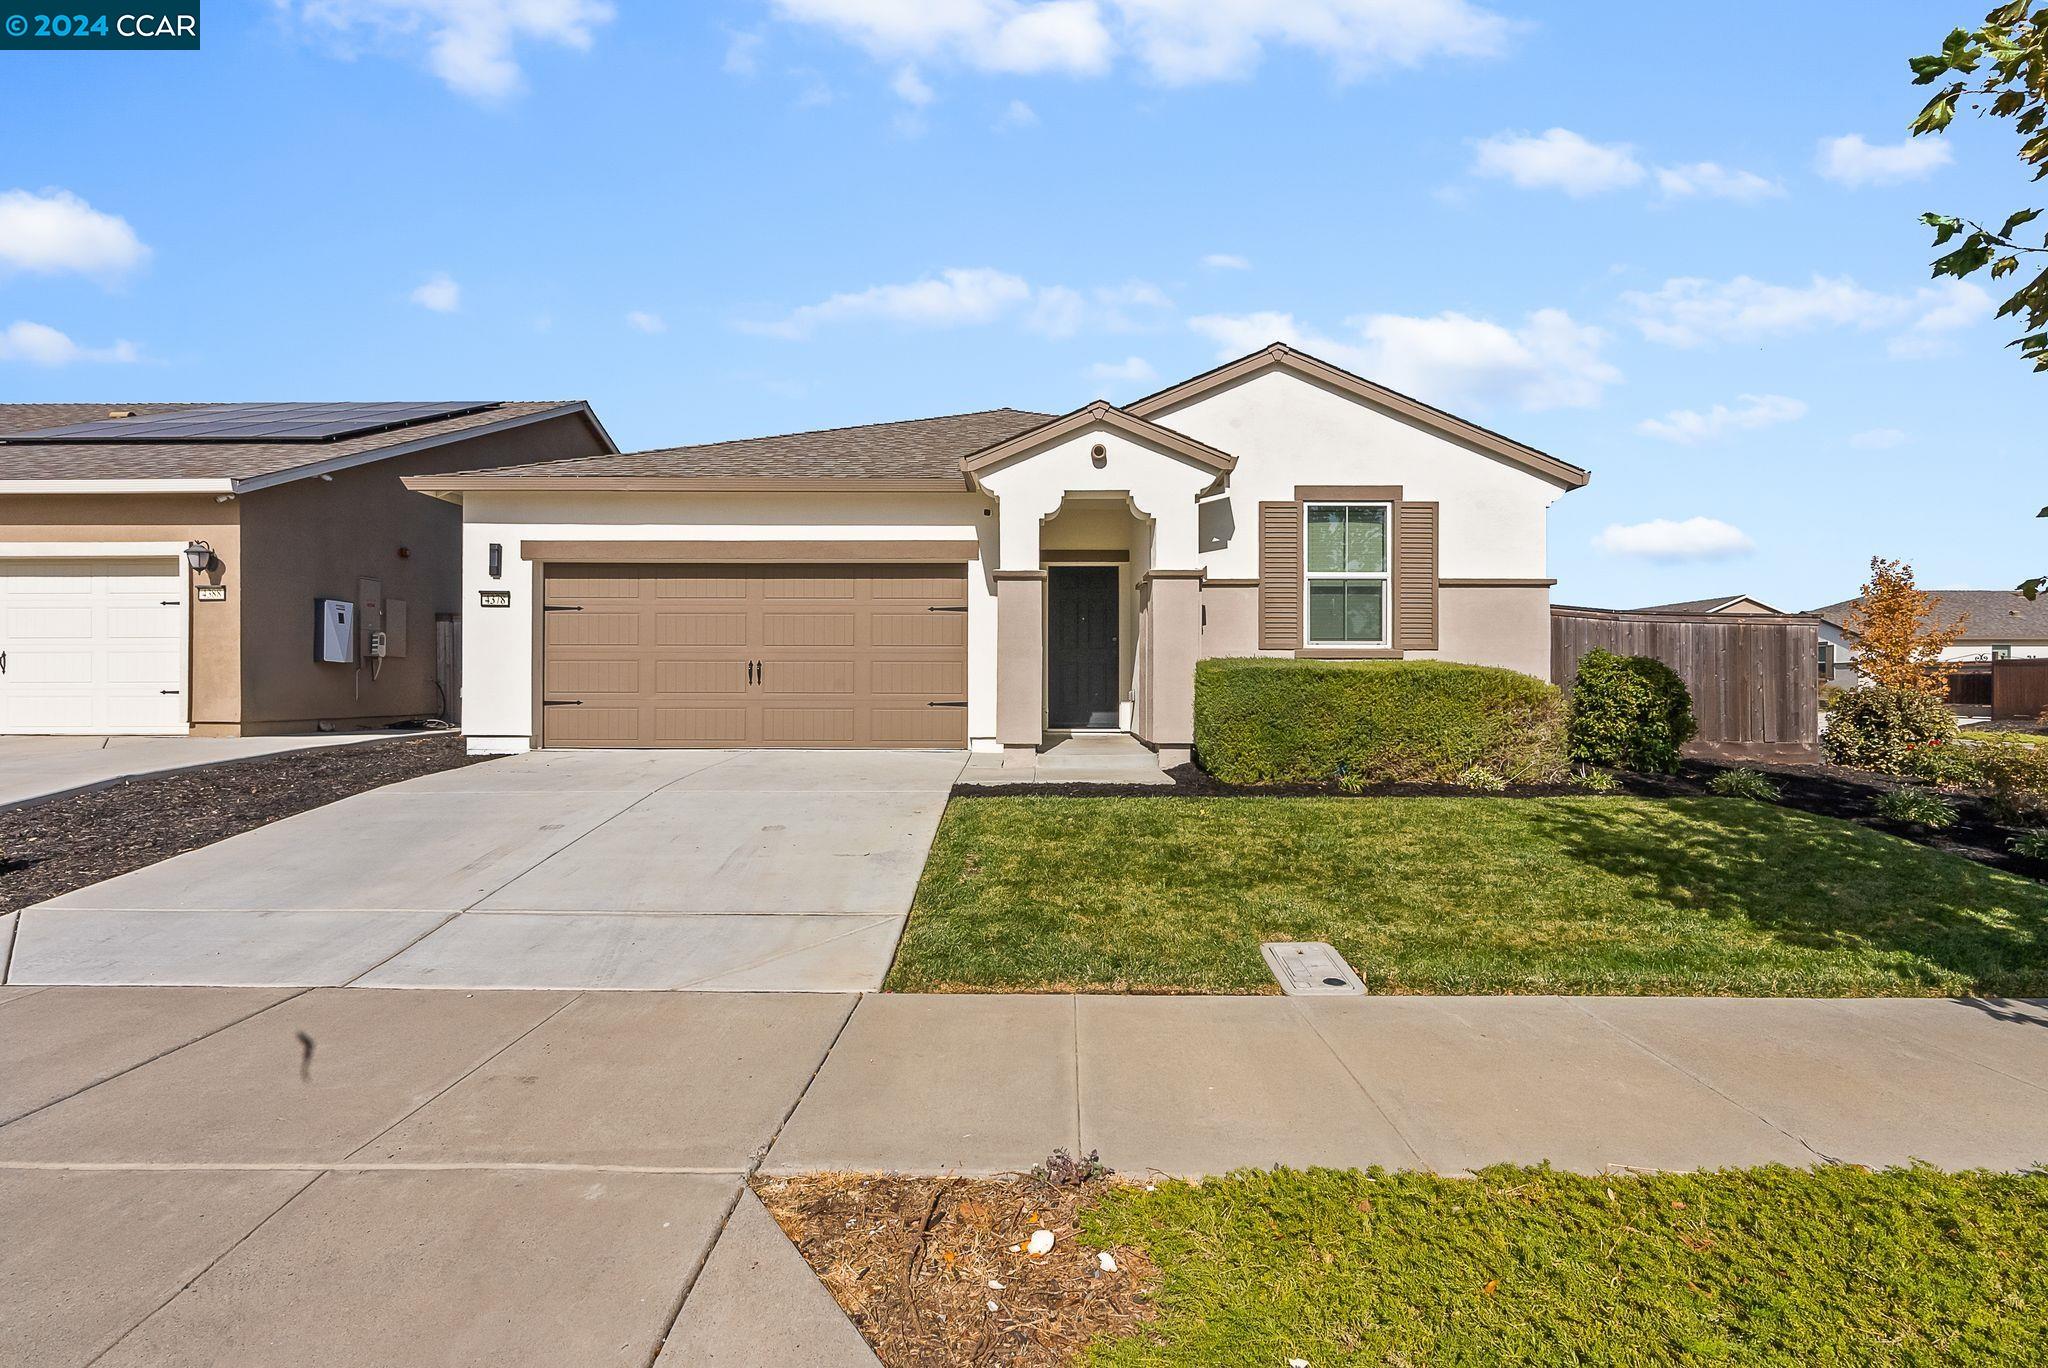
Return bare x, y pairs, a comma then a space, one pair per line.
1365, 542
1325, 537
1364, 610
1326, 610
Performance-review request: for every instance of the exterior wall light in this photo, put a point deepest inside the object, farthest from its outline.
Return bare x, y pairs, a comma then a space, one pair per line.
199, 556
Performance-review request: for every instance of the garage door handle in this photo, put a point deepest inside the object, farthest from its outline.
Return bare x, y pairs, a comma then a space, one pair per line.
170, 691
939, 703
946, 608
561, 702
562, 608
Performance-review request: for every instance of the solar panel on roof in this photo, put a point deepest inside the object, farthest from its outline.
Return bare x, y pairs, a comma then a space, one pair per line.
252, 423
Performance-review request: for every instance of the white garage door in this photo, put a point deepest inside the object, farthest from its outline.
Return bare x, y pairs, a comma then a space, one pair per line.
92, 645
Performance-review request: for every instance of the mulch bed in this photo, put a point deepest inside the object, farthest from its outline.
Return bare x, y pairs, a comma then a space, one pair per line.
58, 844
935, 1271
1826, 790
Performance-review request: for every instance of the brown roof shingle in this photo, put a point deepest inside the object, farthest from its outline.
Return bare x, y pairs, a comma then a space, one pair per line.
1995, 614
27, 460
915, 449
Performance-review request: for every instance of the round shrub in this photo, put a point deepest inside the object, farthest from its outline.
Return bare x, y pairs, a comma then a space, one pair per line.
1886, 729
1630, 712
1360, 723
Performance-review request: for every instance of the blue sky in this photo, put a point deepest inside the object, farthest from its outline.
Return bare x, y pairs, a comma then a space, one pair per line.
1683, 253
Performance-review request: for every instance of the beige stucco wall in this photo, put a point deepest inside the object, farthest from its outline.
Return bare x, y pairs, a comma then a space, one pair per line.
1505, 625
313, 539
215, 664
1230, 620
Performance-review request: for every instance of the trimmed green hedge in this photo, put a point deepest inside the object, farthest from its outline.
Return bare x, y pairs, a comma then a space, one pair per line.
1360, 723
1629, 712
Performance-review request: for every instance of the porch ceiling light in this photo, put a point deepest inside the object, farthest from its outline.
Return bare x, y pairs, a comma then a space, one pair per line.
198, 555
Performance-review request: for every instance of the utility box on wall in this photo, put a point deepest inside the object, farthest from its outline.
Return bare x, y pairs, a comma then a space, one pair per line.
334, 632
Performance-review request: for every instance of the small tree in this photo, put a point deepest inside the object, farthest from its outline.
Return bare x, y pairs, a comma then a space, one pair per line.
1896, 644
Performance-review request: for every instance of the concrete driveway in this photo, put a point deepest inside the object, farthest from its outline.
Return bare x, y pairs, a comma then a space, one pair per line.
37, 767
724, 870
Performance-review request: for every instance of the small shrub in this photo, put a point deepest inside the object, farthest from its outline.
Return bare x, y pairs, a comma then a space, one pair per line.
1481, 778
2032, 844
1629, 711
1881, 729
1267, 721
1916, 807
2017, 778
1744, 783
1062, 1169
1593, 780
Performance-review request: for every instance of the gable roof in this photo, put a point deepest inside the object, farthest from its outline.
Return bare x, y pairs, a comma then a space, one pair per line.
1282, 356
1995, 614
1108, 415
918, 452
1707, 605
28, 466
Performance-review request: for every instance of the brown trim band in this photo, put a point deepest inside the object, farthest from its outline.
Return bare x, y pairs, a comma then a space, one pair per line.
1338, 653
788, 484
1083, 557
1179, 443
1231, 583
1017, 574
1347, 493
755, 552
1172, 574
1497, 583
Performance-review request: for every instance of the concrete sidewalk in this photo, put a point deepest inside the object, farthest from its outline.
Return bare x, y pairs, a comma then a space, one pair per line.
33, 768
557, 1177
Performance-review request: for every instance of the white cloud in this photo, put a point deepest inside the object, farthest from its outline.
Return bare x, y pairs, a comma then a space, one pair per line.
1226, 261
1132, 370
41, 345
1549, 362
1017, 114
1947, 307
1178, 42
639, 320
438, 292
743, 54
1690, 310
977, 295
911, 88
1664, 539
1558, 159
1688, 427
1852, 161
470, 44
1879, 439
1711, 180
56, 231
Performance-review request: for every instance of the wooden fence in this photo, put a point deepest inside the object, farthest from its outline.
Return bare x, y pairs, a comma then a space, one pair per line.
1754, 677
2019, 688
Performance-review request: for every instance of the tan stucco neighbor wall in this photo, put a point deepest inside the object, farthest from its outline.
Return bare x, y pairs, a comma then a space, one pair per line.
1505, 625
215, 659
314, 538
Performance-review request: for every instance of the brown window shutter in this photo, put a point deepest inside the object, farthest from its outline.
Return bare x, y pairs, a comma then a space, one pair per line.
1415, 576
1279, 576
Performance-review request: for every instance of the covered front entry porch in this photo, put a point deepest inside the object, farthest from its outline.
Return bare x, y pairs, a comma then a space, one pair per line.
1098, 582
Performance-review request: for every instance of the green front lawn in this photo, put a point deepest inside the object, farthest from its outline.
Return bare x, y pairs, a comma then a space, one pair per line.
1831, 1266
1459, 895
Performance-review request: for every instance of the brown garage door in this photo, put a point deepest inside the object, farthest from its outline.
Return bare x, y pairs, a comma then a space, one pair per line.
754, 655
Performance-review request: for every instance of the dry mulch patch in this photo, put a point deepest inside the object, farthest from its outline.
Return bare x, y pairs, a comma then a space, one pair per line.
937, 1271
58, 844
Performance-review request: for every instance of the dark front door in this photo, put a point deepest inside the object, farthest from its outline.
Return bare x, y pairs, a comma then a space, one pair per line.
1080, 657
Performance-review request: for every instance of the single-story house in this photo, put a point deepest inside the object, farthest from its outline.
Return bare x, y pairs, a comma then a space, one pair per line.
1736, 604
2002, 625
982, 579
166, 568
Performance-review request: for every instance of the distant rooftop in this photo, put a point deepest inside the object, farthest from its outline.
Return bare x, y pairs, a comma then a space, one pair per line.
1995, 614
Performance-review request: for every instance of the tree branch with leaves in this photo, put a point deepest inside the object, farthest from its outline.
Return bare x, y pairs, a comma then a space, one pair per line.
2000, 71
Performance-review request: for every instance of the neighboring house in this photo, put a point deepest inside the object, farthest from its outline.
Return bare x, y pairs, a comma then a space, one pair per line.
105, 626
984, 578
1739, 604
2002, 625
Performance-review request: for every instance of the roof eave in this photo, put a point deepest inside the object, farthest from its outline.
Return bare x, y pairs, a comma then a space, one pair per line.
222, 485
426, 443
1108, 415
737, 484
1448, 424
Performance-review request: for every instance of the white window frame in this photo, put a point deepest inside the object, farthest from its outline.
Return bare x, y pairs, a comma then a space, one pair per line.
1385, 577
2004, 646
